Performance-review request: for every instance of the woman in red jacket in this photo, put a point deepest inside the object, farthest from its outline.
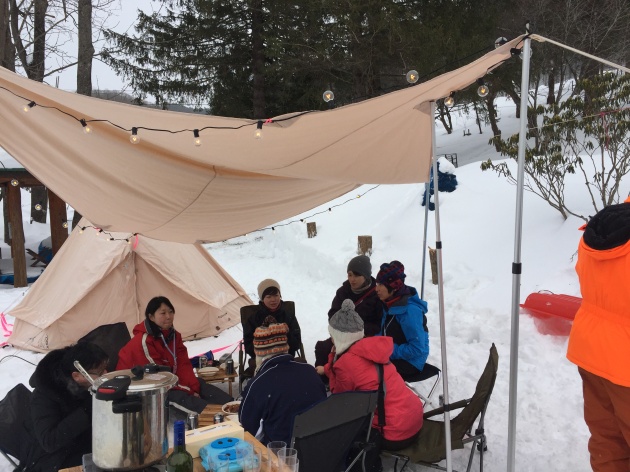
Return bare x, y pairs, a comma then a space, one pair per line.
156, 341
353, 366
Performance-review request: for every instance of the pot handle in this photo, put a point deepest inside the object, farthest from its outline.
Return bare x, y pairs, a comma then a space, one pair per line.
130, 404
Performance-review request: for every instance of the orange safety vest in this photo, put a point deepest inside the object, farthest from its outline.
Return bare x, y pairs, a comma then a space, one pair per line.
600, 336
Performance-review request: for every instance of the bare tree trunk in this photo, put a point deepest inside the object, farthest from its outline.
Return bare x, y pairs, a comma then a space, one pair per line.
7, 50
551, 85
492, 117
38, 66
86, 48
445, 117
258, 59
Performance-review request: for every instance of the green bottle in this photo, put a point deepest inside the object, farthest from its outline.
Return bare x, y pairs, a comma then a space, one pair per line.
180, 460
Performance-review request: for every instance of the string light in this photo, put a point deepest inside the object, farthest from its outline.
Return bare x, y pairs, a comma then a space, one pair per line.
328, 96
483, 90
87, 129
64, 224
197, 140
450, 100
38, 207
258, 133
110, 236
134, 138
412, 76
500, 41
27, 107
15, 182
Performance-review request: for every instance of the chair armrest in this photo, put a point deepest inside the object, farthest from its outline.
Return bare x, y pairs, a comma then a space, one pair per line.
453, 406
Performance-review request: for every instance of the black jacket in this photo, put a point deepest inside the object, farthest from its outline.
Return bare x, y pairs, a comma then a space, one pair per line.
61, 415
369, 307
282, 316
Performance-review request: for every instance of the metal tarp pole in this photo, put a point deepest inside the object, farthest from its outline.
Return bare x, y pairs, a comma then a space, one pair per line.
438, 247
516, 265
427, 197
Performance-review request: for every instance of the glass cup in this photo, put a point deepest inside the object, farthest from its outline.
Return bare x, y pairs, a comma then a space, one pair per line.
289, 464
253, 463
286, 453
221, 465
273, 448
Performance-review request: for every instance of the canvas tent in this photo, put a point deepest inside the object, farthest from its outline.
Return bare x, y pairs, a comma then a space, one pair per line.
94, 281
167, 188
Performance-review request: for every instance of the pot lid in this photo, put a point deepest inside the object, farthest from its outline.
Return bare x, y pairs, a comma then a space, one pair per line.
150, 381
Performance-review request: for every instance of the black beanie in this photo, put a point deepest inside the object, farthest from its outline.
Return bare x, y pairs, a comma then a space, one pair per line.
361, 265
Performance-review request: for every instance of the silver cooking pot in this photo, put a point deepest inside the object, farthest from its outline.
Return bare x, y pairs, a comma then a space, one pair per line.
129, 419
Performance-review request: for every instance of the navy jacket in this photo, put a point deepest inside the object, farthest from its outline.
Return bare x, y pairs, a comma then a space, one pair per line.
280, 389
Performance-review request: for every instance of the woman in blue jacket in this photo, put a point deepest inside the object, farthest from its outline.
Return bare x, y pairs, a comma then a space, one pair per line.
404, 319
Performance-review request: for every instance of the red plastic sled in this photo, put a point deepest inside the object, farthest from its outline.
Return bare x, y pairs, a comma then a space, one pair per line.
553, 313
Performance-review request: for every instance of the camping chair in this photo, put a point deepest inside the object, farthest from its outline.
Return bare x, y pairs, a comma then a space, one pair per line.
15, 414
243, 360
324, 433
430, 447
428, 372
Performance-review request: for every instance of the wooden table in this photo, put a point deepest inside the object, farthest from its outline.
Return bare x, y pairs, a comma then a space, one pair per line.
220, 377
207, 418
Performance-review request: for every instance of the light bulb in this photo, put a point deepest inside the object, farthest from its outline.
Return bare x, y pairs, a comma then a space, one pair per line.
197, 139
449, 101
65, 224
328, 96
412, 76
87, 129
500, 41
134, 138
483, 90
27, 107
258, 133
81, 230
38, 207
15, 182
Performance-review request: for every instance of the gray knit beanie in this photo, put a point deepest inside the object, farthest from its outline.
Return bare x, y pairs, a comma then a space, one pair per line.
361, 265
345, 327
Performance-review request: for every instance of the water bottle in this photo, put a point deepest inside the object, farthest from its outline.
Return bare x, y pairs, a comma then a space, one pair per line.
180, 460
229, 366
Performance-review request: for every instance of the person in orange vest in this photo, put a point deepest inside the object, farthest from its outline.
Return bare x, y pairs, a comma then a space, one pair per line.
599, 343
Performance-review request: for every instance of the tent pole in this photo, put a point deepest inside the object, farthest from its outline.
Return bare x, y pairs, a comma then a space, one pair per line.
424, 241
516, 265
438, 247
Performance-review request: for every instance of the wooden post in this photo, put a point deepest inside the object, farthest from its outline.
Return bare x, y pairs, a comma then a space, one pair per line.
311, 229
364, 245
18, 252
58, 216
433, 259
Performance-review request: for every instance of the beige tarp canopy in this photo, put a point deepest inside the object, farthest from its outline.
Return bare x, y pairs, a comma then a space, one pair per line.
93, 281
167, 188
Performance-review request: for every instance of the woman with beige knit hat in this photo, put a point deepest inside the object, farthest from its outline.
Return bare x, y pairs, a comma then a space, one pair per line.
270, 304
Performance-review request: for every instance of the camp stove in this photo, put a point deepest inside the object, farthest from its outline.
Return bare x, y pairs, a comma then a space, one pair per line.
89, 466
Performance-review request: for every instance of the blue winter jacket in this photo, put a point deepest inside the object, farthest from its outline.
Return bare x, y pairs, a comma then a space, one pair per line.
280, 389
410, 317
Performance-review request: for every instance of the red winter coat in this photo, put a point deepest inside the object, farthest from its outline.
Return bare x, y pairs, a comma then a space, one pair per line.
133, 354
356, 369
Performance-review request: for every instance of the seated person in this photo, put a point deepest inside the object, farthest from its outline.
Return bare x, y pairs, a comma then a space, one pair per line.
61, 407
270, 304
360, 288
351, 367
404, 319
155, 341
280, 388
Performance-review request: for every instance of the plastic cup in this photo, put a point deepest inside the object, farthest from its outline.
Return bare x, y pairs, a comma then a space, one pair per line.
289, 464
285, 454
254, 462
273, 448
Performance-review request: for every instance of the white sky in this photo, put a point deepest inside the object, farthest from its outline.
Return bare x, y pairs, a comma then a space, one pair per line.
478, 239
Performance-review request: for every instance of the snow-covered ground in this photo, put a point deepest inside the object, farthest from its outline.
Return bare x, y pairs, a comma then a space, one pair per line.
477, 231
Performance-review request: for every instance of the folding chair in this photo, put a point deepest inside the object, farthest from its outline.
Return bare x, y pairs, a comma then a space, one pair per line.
430, 447
324, 433
428, 372
15, 434
248, 311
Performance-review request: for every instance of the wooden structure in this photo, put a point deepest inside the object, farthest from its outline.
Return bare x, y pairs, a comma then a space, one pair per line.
364, 245
13, 180
311, 229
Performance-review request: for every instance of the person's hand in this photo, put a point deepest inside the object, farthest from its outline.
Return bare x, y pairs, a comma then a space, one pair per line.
320, 369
